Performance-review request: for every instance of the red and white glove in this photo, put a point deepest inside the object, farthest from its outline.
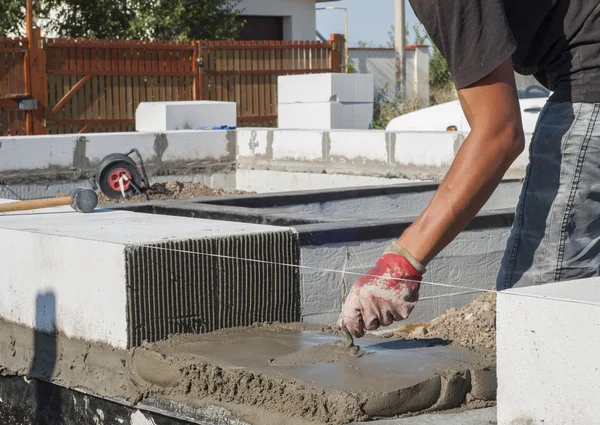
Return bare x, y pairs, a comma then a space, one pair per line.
385, 294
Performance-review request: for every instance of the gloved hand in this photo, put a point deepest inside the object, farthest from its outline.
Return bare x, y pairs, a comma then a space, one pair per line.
382, 296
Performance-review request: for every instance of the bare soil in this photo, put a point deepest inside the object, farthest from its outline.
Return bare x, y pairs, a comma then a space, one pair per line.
470, 327
173, 190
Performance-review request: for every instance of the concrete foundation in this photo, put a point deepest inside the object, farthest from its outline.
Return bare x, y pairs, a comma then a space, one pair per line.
138, 275
547, 362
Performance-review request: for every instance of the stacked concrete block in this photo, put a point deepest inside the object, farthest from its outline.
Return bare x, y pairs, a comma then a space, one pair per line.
548, 354
326, 101
191, 115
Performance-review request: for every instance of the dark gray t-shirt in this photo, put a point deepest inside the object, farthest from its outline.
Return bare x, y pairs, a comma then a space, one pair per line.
557, 41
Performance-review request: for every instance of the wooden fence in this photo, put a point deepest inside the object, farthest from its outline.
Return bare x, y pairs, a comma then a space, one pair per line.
96, 85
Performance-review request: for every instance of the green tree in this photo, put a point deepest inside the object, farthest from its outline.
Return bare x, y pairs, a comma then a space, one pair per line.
12, 18
128, 19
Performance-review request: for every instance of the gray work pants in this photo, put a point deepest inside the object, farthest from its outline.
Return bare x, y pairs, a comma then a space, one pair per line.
556, 232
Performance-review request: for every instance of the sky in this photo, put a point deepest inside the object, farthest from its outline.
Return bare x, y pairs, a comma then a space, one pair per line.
368, 20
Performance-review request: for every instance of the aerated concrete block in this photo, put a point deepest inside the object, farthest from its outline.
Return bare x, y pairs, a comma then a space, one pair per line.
326, 116
317, 88
547, 339
191, 115
122, 278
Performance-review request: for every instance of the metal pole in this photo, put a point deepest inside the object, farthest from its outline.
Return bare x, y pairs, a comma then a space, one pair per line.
400, 45
346, 29
346, 32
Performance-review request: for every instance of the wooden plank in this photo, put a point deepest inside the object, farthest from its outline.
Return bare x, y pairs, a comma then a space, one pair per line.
269, 72
111, 121
238, 83
80, 94
155, 70
3, 76
122, 88
135, 67
86, 89
255, 81
161, 69
4, 122
73, 111
112, 98
76, 89
10, 74
263, 96
124, 45
63, 84
169, 79
143, 86
101, 84
129, 83
230, 78
246, 84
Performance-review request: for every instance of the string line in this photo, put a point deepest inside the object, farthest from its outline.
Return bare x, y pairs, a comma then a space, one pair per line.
343, 272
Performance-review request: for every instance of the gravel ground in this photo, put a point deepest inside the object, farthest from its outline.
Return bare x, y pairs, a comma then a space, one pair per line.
470, 327
173, 190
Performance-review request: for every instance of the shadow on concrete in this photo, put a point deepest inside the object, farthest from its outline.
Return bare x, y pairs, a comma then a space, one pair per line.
43, 365
409, 344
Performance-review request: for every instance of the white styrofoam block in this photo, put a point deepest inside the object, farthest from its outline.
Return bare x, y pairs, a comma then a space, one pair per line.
312, 88
189, 115
297, 145
79, 260
325, 116
358, 146
547, 343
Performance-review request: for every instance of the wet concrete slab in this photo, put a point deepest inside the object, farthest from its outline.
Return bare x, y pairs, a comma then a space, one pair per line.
324, 360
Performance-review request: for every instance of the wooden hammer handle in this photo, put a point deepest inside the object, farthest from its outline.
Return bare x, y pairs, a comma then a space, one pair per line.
35, 204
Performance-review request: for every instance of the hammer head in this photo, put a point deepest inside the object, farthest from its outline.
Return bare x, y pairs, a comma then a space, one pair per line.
84, 200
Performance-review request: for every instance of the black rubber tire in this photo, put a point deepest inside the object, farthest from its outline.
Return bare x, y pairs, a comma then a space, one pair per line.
111, 163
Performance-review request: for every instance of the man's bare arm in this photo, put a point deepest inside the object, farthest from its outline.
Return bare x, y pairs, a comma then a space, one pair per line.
491, 107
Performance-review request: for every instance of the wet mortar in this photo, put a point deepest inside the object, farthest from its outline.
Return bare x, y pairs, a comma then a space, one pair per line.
267, 374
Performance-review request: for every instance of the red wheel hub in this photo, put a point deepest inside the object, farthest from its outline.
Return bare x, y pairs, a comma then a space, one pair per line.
115, 176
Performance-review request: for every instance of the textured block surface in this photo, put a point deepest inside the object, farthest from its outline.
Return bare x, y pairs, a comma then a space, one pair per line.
176, 291
548, 347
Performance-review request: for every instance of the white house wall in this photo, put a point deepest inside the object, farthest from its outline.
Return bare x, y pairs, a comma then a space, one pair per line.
299, 15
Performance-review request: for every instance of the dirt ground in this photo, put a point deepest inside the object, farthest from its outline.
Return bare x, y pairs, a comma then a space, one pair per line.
470, 327
173, 190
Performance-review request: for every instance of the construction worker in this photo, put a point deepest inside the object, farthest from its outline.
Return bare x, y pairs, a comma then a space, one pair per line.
556, 231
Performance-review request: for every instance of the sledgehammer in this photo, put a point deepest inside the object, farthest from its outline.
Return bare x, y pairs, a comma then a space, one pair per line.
81, 200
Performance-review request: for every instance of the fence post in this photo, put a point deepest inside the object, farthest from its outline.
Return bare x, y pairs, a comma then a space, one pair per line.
38, 78
335, 59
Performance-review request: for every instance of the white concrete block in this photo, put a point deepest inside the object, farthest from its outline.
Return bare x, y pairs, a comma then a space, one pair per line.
252, 142
425, 149
297, 145
547, 338
325, 116
80, 260
58, 151
358, 146
313, 88
190, 115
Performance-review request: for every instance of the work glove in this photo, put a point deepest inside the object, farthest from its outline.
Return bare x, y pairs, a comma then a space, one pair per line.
385, 294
